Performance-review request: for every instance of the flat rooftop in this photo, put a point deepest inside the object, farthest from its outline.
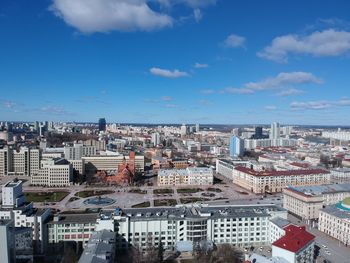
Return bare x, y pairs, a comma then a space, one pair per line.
316, 190
202, 211
280, 173
13, 184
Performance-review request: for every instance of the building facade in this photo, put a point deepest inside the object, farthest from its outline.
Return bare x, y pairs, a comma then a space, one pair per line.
306, 201
188, 176
275, 181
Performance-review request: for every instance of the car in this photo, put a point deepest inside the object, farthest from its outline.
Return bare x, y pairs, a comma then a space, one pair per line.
324, 246
261, 248
328, 253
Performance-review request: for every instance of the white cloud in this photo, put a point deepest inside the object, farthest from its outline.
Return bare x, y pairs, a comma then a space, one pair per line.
290, 92
166, 73
234, 41
9, 104
197, 3
237, 91
319, 105
200, 65
326, 43
89, 16
270, 107
166, 98
197, 13
282, 80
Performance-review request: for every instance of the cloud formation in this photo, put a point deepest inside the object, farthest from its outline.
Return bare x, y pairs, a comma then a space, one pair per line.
89, 16
326, 43
200, 65
290, 92
282, 80
234, 41
319, 105
166, 73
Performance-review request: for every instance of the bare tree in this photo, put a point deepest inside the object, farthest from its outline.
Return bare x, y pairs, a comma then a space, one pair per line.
226, 253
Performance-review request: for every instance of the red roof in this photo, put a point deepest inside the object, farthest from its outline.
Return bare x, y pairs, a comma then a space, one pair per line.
302, 165
295, 239
280, 173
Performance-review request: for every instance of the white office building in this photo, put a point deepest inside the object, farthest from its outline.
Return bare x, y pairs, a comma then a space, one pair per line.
188, 176
78, 150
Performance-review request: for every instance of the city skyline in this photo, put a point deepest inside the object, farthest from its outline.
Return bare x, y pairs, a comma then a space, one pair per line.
184, 61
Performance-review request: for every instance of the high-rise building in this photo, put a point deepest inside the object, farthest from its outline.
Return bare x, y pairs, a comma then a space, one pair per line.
258, 133
275, 131
197, 127
155, 138
183, 129
78, 150
236, 146
102, 124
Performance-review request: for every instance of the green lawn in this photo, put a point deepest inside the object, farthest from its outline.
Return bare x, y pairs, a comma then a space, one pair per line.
163, 191
137, 191
45, 196
165, 202
189, 190
142, 205
217, 190
89, 193
193, 200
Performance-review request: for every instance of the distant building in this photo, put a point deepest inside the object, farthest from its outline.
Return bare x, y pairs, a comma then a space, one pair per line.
78, 150
258, 133
102, 124
275, 131
189, 176
24, 162
197, 127
155, 138
183, 130
236, 146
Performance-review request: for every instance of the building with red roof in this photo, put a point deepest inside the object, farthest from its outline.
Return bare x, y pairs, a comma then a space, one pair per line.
271, 181
297, 245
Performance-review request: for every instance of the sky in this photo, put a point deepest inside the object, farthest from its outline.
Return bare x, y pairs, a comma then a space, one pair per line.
176, 61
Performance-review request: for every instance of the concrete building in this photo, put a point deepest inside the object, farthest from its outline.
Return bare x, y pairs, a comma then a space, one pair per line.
100, 248
12, 195
24, 214
54, 173
78, 150
306, 201
275, 131
102, 124
236, 146
188, 176
183, 130
241, 225
334, 220
78, 165
340, 175
24, 162
296, 246
7, 237
71, 227
111, 163
155, 138
275, 181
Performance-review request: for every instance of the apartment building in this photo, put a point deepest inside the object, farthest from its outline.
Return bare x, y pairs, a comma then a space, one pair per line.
188, 176
334, 220
275, 181
78, 150
54, 173
306, 201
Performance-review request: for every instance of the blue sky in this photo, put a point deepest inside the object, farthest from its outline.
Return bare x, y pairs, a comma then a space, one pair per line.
175, 61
